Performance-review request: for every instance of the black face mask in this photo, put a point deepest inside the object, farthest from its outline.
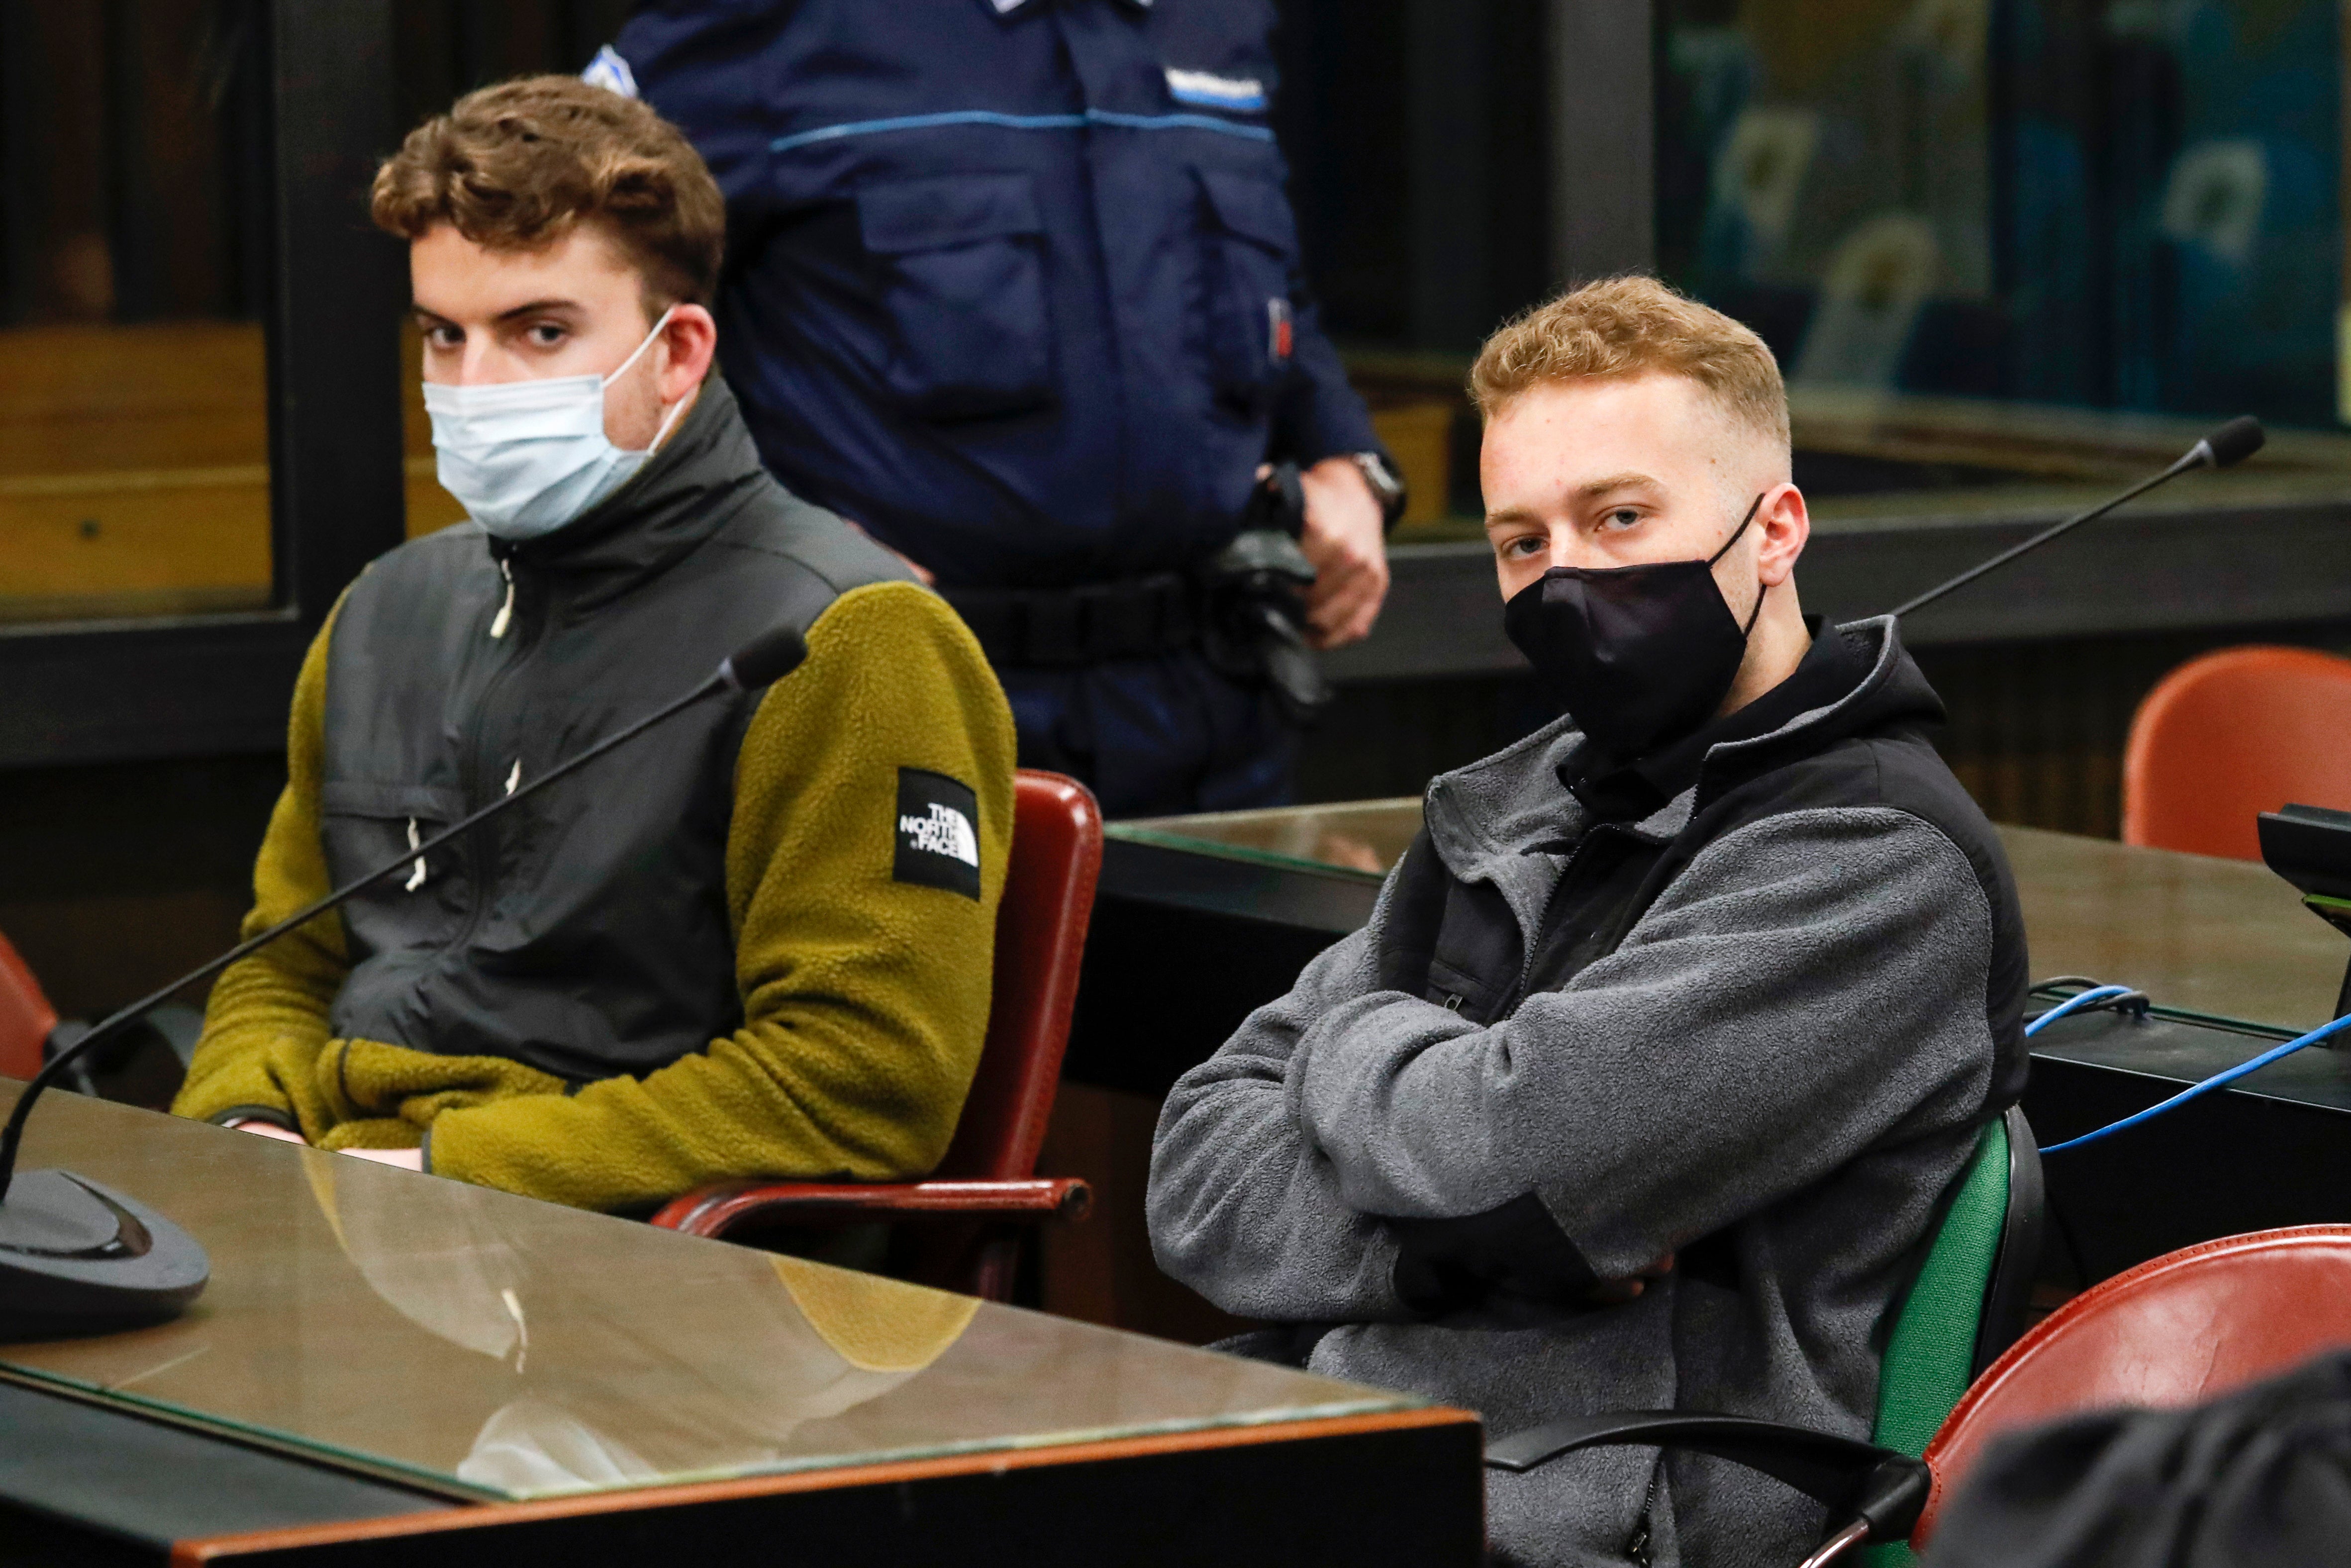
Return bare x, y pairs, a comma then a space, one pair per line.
1638, 655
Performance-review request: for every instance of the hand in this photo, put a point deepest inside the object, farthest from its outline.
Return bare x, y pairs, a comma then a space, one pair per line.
1614, 1292
406, 1159
1346, 543
266, 1130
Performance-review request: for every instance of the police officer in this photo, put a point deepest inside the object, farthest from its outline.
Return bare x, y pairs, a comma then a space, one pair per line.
1013, 284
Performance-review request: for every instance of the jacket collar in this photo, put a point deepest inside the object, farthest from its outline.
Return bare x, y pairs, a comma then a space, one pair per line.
1893, 691
1502, 819
686, 492
1487, 821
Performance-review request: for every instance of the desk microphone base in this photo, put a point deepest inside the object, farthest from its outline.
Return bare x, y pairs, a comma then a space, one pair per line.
79, 1259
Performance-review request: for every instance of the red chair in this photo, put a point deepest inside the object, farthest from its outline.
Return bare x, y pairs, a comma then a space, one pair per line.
985, 1194
2231, 734
26, 1016
2176, 1331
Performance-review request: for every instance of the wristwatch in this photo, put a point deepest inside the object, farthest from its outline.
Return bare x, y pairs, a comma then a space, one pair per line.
1384, 484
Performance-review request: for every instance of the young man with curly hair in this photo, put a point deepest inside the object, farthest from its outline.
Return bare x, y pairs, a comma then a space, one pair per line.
1644, 1086
755, 943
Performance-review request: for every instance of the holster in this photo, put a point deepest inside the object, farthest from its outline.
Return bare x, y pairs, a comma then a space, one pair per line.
1244, 608
1256, 621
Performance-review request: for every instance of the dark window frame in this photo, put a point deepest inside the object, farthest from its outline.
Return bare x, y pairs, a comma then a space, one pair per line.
218, 684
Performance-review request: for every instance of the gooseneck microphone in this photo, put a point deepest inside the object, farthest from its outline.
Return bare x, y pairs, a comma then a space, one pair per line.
78, 1258
2224, 448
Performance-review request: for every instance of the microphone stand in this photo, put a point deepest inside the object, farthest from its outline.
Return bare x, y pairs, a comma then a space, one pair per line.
2225, 447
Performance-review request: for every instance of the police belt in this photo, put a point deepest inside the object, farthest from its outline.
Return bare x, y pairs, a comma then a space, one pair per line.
1062, 628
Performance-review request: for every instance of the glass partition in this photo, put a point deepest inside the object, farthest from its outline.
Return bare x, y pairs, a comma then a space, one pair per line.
2008, 253
134, 457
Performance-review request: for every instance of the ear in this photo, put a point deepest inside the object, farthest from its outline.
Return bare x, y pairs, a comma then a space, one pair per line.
689, 342
1784, 526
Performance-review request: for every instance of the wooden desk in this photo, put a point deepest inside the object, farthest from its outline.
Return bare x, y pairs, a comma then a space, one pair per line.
391, 1368
2220, 936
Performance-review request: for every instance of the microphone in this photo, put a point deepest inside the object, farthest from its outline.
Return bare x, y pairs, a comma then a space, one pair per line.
79, 1257
2224, 448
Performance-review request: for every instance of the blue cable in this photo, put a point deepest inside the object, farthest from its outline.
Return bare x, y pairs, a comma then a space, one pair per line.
2075, 1004
2323, 1031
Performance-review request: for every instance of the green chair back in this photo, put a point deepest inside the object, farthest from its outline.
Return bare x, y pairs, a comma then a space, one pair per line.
1932, 1358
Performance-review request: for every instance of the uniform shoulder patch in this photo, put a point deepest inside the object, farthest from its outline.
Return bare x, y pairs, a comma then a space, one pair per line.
938, 832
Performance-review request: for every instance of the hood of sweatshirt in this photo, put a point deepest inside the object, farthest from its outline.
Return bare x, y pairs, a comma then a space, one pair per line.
1504, 819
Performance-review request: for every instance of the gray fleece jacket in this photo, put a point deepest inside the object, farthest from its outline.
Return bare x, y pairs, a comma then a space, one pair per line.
1774, 1064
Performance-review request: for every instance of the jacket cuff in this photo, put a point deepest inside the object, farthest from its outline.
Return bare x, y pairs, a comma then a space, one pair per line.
1318, 426
268, 1113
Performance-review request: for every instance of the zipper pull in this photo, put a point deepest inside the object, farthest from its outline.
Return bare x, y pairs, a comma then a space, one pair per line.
515, 777
1453, 1002
1637, 1549
505, 610
416, 877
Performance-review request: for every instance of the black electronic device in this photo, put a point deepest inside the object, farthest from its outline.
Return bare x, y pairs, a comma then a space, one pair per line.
77, 1258
2310, 846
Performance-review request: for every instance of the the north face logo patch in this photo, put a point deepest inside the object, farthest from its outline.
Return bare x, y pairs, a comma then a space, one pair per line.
946, 832
938, 832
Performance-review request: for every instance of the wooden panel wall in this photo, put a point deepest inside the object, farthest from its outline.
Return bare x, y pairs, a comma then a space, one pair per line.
134, 474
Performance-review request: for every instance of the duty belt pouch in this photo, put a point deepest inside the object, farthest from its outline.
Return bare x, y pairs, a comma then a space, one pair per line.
1256, 621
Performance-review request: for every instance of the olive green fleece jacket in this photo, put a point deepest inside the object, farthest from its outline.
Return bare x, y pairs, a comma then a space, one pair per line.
865, 998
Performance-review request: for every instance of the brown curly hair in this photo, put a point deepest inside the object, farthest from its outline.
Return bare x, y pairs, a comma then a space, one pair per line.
1625, 327
516, 166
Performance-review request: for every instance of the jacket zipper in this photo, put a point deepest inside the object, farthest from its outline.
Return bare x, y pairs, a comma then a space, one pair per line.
480, 766
1542, 924
498, 625
505, 610
1636, 1548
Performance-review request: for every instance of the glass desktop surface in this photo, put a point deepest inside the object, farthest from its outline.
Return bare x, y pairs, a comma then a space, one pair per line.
1356, 837
2227, 938
480, 1344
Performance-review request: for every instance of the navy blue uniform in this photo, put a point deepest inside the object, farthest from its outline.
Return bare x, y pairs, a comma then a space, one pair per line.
1014, 284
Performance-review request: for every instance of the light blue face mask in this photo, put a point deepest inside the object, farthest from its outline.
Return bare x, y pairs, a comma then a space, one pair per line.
526, 457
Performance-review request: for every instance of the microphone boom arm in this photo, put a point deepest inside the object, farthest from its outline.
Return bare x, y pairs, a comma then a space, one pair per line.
2035, 542
2229, 445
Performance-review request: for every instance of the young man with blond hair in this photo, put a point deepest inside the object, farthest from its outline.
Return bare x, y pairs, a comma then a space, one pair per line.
725, 950
1667, 1035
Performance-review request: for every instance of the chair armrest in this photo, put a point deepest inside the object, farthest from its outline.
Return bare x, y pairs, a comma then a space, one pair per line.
1856, 1481
716, 1210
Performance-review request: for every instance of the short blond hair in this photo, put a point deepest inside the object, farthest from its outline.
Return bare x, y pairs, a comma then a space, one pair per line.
1628, 327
